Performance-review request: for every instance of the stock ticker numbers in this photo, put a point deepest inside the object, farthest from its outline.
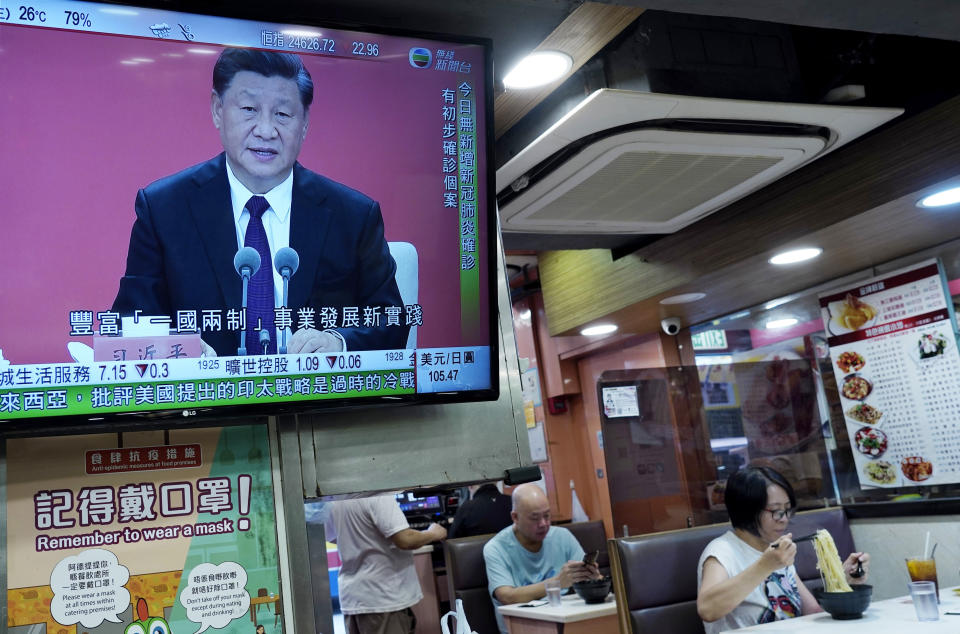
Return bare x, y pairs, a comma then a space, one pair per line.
300, 42
366, 49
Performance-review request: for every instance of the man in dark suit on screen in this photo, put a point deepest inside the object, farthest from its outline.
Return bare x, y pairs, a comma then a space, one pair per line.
190, 225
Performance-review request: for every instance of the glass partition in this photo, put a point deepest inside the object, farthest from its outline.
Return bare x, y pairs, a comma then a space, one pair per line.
766, 395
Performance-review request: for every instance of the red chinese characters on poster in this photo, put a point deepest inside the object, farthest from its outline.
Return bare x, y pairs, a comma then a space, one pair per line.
169, 529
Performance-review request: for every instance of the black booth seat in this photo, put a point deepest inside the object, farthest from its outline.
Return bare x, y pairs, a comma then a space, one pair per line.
655, 575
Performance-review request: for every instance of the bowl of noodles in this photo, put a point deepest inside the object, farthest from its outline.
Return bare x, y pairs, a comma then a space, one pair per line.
841, 600
844, 606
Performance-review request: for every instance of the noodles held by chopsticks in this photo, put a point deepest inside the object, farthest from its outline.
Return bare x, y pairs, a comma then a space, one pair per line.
828, 562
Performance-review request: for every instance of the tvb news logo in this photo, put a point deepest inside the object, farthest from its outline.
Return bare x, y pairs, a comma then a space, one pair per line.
420, 57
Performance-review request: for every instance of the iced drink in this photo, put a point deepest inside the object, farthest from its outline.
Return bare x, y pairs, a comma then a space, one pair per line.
924, 570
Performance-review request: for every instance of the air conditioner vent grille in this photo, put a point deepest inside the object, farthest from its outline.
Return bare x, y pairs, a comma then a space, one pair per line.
652, 186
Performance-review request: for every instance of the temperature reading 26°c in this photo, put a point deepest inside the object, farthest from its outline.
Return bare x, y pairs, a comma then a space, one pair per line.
32, 14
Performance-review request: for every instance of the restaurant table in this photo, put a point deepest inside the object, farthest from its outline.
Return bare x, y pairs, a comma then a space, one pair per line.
893, 616
573, 617
269, 601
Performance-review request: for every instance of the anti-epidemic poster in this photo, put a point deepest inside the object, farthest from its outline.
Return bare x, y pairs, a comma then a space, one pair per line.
143, 533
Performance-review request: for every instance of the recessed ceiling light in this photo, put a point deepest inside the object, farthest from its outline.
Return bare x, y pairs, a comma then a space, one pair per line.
941, 199
781, 323
795, 255
538, 68
734, 316
202, 51
777, 302
599, 329
684, 298
525, 314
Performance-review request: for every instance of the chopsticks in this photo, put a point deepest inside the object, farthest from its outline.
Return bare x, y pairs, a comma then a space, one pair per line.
805, 538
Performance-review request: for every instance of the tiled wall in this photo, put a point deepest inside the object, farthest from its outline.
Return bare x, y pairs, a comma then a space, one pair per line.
891, 540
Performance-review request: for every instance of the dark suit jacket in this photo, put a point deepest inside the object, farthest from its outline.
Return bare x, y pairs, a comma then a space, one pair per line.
184, 240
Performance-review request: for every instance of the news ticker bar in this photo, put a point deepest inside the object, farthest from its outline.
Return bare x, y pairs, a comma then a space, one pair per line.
142, 397
201, 29
143, 385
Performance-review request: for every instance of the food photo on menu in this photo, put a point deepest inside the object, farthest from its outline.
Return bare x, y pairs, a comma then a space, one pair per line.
880, 472
850, 361
865, 413
871, 442
931, 345
850, 314
855, 387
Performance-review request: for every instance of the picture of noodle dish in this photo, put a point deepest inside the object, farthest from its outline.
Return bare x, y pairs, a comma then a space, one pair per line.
916, 468
880, 472
850, 314
863, 413
850, 361
855, 387
871, 442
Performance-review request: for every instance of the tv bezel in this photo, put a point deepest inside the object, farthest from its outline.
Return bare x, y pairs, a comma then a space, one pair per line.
209, 413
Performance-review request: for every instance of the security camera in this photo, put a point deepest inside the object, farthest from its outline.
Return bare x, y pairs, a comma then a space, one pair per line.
670, 325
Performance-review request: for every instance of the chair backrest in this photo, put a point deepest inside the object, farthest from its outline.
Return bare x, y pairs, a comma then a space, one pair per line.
408, 278
592, 537
667, 600
467, 580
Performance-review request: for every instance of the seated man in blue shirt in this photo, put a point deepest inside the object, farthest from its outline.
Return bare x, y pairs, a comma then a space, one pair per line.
528, 552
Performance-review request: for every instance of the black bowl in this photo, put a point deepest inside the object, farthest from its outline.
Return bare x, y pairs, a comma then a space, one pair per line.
593, 590
845, 605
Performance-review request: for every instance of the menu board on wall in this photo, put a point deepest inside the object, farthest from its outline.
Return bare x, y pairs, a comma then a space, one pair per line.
894, 349
106, 532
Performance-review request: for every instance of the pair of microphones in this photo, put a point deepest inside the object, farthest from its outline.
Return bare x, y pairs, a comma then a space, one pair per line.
247, 263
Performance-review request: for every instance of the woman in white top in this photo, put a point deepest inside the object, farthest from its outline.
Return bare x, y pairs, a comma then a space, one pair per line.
746, 576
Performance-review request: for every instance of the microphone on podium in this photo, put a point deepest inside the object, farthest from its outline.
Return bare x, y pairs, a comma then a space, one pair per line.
265, 340
247, 263
286, 261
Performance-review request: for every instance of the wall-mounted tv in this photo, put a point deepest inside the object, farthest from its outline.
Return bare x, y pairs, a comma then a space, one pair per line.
203, 213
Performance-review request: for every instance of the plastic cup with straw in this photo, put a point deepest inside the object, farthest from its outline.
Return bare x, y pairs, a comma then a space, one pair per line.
924, 568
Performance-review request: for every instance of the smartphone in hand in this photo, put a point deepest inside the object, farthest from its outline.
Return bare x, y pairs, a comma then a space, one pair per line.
591, 558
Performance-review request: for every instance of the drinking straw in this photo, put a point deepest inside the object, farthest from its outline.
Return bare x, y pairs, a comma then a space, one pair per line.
933, 550
926, 546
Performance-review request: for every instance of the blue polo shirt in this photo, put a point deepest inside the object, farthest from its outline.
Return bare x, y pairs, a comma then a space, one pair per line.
510, 564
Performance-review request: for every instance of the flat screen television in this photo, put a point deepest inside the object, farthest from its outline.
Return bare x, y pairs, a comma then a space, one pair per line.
411, 503
172, 245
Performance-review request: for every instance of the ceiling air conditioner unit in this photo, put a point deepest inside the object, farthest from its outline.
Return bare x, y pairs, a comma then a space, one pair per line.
644, 163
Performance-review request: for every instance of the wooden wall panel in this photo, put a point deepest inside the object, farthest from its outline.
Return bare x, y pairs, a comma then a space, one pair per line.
581, 35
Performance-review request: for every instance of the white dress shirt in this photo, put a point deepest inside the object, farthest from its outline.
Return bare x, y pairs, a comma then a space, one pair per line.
276, 224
